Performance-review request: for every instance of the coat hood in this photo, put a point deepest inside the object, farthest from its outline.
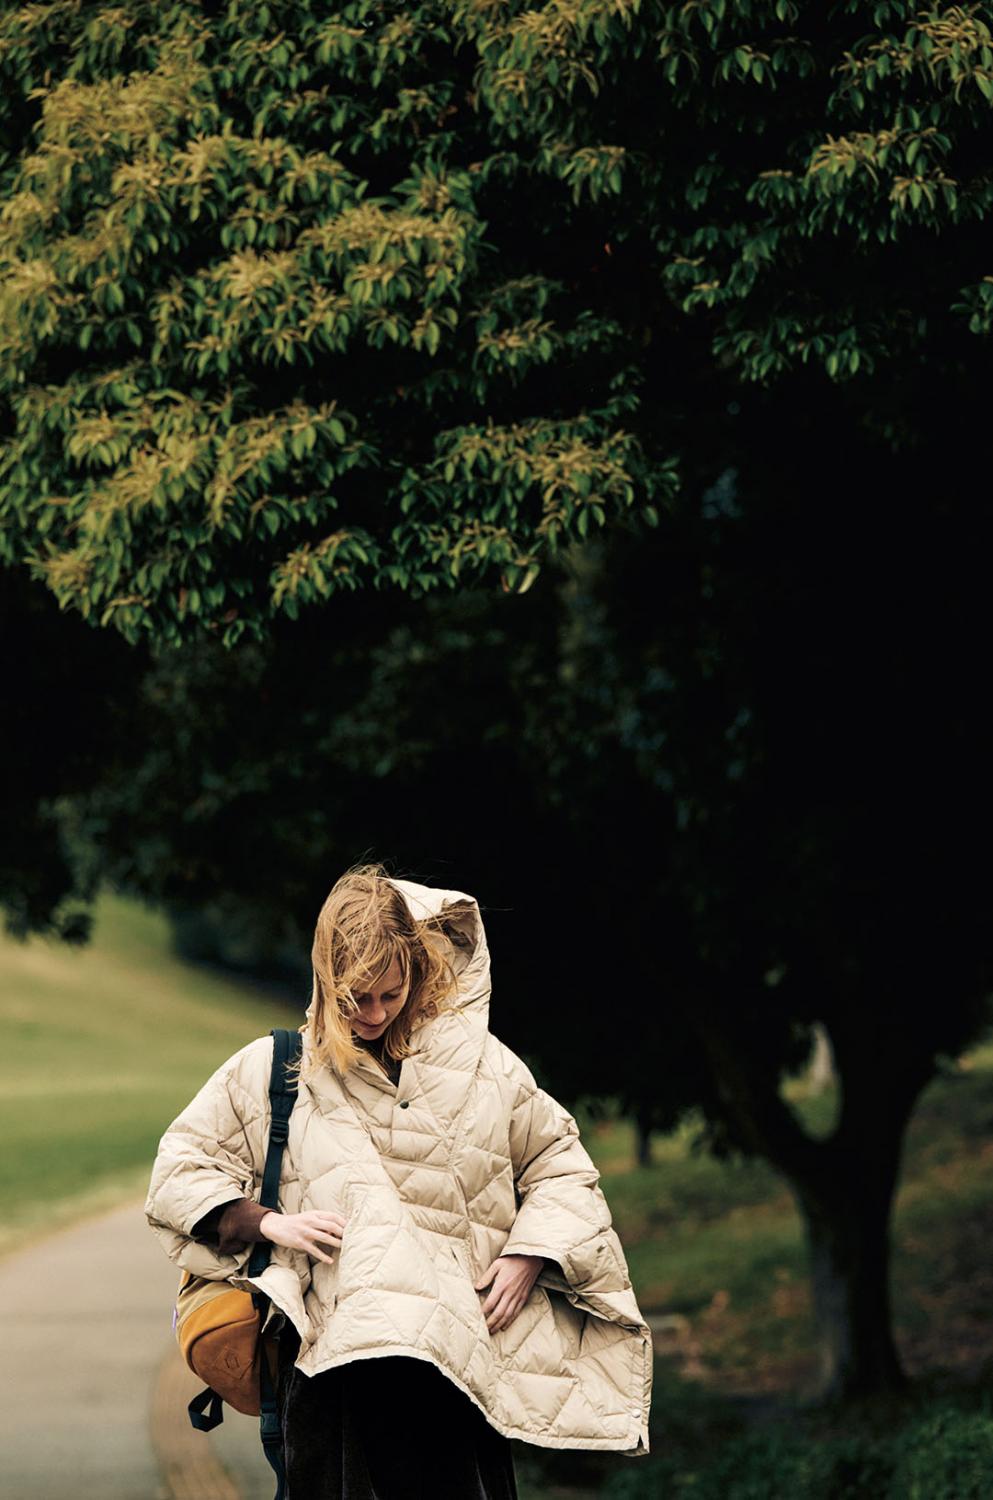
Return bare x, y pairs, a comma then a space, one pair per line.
459, 916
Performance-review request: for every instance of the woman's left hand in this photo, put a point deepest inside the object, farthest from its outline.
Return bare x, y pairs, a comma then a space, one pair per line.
510, 1279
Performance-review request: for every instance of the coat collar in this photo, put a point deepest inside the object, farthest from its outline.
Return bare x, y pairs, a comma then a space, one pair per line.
434, 1079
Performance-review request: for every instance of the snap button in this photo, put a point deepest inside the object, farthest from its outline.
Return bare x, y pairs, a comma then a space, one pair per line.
404, 1103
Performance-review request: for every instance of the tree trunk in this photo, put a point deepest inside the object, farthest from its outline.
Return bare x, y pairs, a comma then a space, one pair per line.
643, 1131
845, 1188
844, 1185
846, 1213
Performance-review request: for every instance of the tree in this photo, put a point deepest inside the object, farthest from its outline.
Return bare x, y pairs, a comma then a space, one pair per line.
402, 300
765, 813
295, 301
247, 365
808, 717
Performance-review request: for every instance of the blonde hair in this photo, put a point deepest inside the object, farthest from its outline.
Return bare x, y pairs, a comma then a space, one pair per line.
364, 925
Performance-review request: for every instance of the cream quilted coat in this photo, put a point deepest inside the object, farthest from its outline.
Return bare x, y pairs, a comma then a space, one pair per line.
464, 1159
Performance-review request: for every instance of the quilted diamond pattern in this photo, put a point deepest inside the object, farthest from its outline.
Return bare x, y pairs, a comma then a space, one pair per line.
479, 1161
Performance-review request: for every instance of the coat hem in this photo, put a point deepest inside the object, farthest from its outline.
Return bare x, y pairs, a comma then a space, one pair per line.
635, 1448
261, 1286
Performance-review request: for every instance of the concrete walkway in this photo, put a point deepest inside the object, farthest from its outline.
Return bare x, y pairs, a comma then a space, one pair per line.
95, 1391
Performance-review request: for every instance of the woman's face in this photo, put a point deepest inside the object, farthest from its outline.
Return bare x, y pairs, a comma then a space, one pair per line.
379, 1003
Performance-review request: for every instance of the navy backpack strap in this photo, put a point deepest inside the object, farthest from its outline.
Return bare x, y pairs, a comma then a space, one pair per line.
270, 1430
282, 1097
204, 1419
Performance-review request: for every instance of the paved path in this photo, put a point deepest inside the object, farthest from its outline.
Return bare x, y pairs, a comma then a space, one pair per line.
95, 1392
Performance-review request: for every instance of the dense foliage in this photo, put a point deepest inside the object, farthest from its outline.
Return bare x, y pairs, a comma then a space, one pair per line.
293, 301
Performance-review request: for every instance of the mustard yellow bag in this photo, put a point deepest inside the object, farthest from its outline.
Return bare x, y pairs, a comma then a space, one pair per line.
219, 1330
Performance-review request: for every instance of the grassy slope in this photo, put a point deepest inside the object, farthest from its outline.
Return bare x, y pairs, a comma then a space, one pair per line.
101, 1049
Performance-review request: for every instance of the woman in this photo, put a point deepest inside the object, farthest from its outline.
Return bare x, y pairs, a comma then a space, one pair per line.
443, 1264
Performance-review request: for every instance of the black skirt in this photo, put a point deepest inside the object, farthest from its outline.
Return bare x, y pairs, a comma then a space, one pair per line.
386, 1429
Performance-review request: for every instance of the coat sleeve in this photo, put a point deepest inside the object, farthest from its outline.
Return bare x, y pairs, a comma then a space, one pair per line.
562, 1213
212, 1153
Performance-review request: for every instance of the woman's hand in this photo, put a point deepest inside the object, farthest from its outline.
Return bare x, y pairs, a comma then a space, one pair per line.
306, 1232
510, 1279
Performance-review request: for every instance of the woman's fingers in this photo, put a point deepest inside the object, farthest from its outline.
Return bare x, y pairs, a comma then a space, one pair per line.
491, 1301
504, 1284
508, 1294
334, 1229
504, 1316
503, 1294
331, 1220
306, 1232
334, 1241
321, 1227
501, 1313
487, 1276
319, 1238
319, 1243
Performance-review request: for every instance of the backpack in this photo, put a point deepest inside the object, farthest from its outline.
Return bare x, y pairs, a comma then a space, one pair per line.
218, 1327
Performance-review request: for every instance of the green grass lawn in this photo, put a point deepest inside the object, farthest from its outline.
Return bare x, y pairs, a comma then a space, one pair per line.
102, 1046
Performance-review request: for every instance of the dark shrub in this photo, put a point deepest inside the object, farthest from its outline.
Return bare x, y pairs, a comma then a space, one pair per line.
947, 1455
765, 1466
